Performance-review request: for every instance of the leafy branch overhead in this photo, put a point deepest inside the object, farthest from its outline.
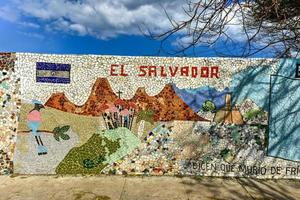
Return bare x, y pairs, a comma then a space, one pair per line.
60, 132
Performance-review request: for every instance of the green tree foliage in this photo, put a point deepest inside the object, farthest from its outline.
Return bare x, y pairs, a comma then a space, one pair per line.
253, 113
208, 106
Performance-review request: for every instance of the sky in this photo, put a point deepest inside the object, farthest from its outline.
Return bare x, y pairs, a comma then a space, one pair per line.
106, 27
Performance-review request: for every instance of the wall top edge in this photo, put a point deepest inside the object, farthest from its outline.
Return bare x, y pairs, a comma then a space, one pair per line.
149, 57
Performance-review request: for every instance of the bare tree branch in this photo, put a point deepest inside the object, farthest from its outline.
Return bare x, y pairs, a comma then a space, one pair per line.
243, 28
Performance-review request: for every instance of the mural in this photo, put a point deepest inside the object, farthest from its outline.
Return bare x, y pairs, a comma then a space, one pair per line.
9, 104
284, 115
156, 116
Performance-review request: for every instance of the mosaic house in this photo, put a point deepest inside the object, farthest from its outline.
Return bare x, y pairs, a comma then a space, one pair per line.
92, 114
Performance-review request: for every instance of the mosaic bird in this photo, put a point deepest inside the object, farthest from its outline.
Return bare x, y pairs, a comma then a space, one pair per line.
34, 121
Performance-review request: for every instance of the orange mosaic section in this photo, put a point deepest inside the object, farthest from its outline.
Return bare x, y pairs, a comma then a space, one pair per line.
100, 93
166, 105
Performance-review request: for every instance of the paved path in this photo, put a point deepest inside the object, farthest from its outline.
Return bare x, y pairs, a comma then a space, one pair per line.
144, 188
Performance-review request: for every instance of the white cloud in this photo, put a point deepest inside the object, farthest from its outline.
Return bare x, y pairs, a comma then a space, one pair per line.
29, 24
81, 30
102, 19
232, 33
182, 41
8, 13
32, 35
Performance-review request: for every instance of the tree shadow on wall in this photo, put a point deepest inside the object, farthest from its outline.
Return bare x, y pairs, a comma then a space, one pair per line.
278, 95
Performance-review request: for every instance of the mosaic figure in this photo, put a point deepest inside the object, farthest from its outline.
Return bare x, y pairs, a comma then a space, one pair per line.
34, 121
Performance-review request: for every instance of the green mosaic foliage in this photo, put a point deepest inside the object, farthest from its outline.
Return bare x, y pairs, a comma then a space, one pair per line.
253, 113
208, 106
60, 132
126, 140
236, 135
88, 158
226, 154
100, 150
88, 163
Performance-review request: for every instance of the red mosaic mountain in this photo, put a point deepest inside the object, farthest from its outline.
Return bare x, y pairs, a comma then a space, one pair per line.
100, 93
166, 105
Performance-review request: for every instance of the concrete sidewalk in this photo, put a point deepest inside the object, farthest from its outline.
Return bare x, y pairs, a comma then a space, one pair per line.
144, 188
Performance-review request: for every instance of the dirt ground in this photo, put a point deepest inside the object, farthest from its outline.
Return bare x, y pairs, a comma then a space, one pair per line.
144, 188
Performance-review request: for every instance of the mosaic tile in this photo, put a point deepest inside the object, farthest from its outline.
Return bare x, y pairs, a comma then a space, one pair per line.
141, 115
52, 72
10, 104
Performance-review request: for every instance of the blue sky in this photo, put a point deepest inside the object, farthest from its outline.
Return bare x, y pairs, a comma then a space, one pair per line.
23, 39
109, 27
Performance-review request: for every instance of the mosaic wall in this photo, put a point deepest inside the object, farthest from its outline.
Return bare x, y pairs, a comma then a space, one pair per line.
10, 105
93, 114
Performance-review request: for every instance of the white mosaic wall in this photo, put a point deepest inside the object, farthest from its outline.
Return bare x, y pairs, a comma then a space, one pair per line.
85, 69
